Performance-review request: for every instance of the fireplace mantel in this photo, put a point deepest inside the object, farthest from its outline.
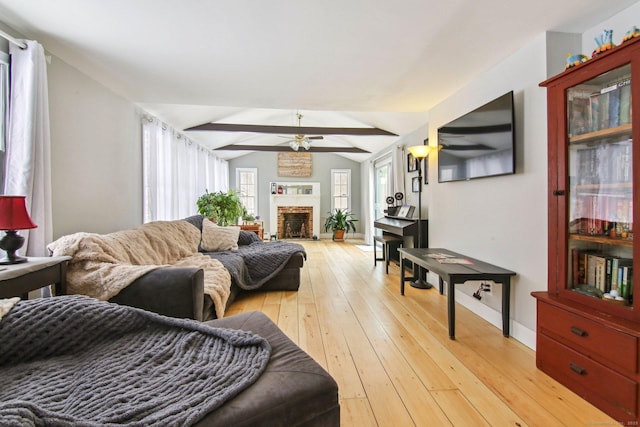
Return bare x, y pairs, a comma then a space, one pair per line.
312, 200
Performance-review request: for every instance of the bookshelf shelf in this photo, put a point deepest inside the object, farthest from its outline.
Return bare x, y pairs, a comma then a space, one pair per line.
617, 241
602, 134
588, 330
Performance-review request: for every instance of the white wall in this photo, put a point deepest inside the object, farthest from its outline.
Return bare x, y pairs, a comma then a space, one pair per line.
619, 23
501, 220
96, 155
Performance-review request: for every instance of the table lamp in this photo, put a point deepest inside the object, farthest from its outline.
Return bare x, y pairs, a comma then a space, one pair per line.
13, 217
419, 152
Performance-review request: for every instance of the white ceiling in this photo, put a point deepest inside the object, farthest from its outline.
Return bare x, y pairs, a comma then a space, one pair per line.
348, 63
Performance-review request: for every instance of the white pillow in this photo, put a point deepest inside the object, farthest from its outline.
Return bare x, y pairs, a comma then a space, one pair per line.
216, 238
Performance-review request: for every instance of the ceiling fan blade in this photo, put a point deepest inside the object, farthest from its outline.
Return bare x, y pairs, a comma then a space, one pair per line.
286, 148
465, 147
315, 137
293, 130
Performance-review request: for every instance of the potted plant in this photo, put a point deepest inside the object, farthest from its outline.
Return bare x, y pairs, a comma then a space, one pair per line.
221, 207
340, 221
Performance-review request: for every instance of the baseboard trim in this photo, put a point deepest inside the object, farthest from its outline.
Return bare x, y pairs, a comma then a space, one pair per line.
516, 329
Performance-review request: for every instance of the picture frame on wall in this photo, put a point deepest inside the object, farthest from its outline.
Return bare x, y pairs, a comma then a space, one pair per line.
412, 163
415, 184
425, 165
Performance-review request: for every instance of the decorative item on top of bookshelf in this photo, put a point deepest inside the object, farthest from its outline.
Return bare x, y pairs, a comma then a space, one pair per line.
633, 32
577, 59
604, 42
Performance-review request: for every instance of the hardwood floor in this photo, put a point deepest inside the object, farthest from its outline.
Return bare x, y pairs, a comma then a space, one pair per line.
393, 360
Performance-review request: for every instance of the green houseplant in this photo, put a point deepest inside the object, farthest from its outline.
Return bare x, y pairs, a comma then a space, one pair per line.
222, 207
340, 221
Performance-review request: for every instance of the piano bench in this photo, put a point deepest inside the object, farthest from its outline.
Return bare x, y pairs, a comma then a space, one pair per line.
386, 241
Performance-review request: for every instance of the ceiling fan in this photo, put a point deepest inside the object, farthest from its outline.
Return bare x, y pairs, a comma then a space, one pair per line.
301, 140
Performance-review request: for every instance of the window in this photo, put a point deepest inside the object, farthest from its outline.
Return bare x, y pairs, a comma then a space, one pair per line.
247, 182
383, 185
340, 188
4, 102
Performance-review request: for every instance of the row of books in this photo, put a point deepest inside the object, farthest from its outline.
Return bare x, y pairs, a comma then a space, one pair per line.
605, 163
603, 271
593, 109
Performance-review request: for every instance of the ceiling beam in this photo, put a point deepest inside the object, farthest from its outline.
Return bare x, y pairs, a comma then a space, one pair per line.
285, 148
290, 130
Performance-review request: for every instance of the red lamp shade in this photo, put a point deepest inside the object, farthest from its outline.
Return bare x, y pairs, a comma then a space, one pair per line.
13, 213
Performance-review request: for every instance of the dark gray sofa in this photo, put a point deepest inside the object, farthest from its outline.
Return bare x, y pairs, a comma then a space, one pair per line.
179, 291
293, 390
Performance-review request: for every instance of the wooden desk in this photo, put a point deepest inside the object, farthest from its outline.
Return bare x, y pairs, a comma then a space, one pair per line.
432, 259
16, 280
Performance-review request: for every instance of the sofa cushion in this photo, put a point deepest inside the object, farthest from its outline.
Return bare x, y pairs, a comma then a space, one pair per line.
247, 238
294, 390
216, 238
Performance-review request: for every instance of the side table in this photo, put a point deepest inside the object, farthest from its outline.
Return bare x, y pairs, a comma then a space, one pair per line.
16, 280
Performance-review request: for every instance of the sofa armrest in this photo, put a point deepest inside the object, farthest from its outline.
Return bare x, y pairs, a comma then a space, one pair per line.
170, 291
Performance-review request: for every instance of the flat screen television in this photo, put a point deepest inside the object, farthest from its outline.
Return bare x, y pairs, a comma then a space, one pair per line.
479, 144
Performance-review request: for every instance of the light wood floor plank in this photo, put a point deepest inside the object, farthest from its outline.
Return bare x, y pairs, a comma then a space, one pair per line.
356, 413
393, 360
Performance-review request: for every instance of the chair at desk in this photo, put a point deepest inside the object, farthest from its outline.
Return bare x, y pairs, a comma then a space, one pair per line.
387, 241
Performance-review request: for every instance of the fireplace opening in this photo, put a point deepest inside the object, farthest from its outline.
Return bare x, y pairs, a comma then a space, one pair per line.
295, 222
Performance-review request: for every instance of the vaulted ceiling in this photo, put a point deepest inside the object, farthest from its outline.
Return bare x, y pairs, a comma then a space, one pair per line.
341, 63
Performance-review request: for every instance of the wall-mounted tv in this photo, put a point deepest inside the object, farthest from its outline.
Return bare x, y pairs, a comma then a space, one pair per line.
479, 144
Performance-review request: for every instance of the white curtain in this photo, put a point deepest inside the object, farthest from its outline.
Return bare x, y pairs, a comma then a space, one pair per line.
28, 169
176, 172
367, 200
399, 165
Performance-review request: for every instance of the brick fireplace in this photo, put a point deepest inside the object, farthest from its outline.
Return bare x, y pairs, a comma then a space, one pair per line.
307, 203
295, 222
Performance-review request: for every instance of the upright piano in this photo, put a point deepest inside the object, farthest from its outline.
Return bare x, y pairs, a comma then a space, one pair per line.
407, 228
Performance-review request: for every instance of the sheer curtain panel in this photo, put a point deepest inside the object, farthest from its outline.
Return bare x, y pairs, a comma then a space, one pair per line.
176, 172
28, 165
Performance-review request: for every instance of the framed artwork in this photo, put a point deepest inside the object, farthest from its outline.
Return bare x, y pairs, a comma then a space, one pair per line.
294, 164
425, 165
415, 184
412, 163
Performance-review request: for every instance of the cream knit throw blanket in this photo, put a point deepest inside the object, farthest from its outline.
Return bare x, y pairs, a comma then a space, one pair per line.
104, 264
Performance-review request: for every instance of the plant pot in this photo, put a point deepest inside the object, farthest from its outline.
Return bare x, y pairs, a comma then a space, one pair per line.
338, 235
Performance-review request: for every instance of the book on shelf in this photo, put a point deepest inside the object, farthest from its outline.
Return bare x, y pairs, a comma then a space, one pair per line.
625, 101
602, 271
579, 112
593, 109
610, 163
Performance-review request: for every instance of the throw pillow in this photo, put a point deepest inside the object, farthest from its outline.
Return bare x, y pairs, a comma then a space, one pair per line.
216, 238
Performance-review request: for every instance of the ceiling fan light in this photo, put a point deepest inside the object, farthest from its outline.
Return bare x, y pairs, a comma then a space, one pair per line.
305, 145
294, 145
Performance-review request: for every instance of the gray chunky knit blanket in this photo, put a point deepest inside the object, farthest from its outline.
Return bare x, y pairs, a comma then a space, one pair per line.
251, 266
76, 361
